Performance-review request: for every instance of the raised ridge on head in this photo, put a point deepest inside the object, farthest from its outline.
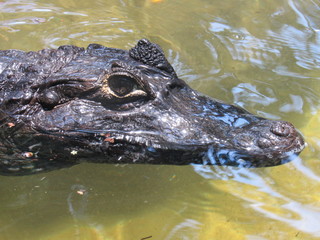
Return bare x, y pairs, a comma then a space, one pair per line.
151, 54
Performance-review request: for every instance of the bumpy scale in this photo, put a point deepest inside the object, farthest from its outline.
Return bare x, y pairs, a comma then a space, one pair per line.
100, 104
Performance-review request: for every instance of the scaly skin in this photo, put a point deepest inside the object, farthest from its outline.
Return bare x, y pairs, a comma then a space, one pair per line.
58, 107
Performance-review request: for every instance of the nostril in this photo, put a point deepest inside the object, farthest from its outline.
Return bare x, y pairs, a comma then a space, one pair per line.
282, 129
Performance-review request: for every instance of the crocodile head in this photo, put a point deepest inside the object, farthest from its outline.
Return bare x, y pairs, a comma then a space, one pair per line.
116, 106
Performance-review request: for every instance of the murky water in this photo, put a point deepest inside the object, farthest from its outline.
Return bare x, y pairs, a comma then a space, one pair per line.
261, 55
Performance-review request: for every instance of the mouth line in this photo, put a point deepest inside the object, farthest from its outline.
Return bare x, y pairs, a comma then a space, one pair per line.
148, 139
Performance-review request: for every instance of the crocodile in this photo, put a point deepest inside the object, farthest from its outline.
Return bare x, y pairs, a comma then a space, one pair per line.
59, 107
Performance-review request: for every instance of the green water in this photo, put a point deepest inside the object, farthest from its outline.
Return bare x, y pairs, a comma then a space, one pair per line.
261, 55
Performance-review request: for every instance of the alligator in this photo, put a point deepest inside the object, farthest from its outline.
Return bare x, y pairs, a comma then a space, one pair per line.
59, 107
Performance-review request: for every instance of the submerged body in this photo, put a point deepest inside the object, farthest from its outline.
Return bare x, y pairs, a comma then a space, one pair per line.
58, 107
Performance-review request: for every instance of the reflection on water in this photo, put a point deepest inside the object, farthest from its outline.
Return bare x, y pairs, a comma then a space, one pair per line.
261, 55
260, 193
77, 201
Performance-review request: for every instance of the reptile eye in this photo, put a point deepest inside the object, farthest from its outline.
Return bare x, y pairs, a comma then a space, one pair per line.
122, 85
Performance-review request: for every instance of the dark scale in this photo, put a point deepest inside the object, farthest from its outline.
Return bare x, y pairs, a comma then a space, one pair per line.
60, 107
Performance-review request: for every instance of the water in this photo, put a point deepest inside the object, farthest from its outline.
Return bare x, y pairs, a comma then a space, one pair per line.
261, 55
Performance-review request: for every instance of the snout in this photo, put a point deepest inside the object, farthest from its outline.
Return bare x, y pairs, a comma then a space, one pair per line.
274, 139
281, 135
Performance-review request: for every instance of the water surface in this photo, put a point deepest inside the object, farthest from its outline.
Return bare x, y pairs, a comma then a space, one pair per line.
261, 55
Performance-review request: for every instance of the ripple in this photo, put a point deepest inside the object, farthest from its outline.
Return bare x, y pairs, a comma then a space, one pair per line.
245, 91
21, 6
243, 46
262, 194
295, 106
